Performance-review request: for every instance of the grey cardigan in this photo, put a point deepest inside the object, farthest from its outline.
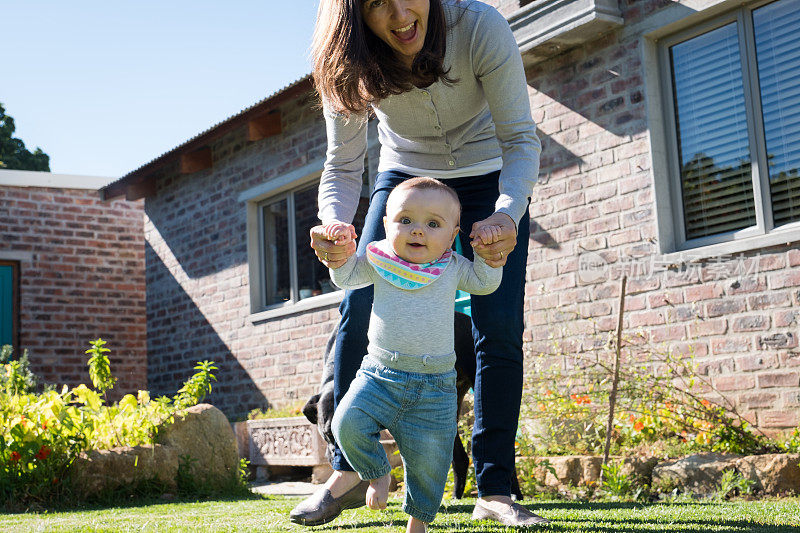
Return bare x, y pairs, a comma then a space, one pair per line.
484, 115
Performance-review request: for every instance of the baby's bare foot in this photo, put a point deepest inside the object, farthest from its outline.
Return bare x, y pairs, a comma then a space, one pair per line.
378, 492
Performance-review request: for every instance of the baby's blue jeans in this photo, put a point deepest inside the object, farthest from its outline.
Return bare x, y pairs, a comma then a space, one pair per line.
419, 409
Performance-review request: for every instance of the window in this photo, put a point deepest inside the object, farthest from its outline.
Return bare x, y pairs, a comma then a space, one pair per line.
733, 106
288, 269
291, 270
9, 303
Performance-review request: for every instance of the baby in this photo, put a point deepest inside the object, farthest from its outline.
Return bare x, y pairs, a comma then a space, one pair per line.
407, 381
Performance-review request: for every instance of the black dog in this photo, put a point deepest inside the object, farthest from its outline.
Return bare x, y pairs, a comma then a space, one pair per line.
319, 408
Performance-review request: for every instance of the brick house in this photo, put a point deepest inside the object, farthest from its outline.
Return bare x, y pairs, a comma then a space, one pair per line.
668, 155
71, 270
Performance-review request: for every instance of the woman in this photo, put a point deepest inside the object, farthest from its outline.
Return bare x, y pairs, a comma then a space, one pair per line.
446, 82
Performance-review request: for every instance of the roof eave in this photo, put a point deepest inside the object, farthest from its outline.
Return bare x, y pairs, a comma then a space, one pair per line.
140, 183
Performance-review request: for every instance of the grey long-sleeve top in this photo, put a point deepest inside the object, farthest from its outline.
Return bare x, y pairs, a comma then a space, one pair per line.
484, 115
419, 321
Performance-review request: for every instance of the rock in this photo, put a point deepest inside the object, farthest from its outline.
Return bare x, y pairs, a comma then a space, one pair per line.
578, 470
572, 470
699, 473
99, 471
774, 474
639, 468
204, 434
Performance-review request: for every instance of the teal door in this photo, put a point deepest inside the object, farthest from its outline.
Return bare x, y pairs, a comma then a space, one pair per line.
6, 304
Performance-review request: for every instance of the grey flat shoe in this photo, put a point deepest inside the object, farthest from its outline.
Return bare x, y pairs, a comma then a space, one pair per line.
321, 507
511, 515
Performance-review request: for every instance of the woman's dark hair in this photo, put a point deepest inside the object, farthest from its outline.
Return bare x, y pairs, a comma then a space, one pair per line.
352, 67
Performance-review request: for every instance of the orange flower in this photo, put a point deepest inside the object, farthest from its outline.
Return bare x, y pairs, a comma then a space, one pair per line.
43, 452
44, 424
638, 426
542, 407
632, 419
705, 402
15, 456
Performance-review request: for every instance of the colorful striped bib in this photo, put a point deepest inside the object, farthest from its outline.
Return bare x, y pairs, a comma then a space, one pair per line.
401, 273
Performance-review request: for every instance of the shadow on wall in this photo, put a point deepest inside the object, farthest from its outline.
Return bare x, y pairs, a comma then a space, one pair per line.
198, 217
601, 81
179, 336
554, 157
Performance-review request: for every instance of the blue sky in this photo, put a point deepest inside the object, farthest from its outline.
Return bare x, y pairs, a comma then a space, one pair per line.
104, 87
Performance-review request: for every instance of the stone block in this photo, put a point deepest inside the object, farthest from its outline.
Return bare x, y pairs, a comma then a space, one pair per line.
290, 441
204, 434
98, 471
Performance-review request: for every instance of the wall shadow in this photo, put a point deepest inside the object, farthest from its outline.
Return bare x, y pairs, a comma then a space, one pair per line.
179, 336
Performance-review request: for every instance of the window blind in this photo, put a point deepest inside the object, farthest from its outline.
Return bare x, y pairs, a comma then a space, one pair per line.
713, 146
778, 56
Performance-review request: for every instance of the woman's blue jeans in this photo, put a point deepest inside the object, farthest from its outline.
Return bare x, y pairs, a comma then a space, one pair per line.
497, 326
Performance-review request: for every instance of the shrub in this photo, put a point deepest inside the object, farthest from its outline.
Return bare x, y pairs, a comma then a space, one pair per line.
733, 484
16, 377
42, 433
664, 405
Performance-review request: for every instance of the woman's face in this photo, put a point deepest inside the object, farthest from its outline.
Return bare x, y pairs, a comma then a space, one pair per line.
399, 23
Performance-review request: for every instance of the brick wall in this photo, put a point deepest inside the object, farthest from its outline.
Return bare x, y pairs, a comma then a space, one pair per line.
83, 278
198, 294
738, 315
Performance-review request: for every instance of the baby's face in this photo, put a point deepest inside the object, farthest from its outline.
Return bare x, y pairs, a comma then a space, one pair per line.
421, 223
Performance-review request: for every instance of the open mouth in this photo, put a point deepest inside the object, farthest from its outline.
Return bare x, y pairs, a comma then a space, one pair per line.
406, 33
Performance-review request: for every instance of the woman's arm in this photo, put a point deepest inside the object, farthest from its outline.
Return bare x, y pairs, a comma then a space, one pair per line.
498, 66
341, 180
340, 184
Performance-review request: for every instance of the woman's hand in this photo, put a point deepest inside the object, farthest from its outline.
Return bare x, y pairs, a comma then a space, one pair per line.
495, 254
330, 254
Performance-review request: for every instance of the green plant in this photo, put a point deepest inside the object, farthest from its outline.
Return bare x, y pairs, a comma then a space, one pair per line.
15, 376
276, 412
42, 433
664, 405
733, 484
185, 478
615, 481
531, 474
792, 443
244, 471
100, 366
197, 387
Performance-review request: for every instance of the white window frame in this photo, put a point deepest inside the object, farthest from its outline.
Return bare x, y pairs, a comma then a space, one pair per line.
671, 26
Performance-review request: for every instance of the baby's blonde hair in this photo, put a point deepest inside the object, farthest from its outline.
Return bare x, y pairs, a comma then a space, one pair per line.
424, 182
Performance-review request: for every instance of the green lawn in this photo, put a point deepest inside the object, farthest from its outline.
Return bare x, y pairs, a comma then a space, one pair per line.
268, 515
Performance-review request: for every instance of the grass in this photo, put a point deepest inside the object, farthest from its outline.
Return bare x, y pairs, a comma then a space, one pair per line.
271, 515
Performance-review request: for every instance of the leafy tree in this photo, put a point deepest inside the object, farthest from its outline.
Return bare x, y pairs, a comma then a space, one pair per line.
13, 154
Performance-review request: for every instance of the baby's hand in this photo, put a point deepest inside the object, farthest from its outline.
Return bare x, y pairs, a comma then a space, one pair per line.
488, 234
339, 233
